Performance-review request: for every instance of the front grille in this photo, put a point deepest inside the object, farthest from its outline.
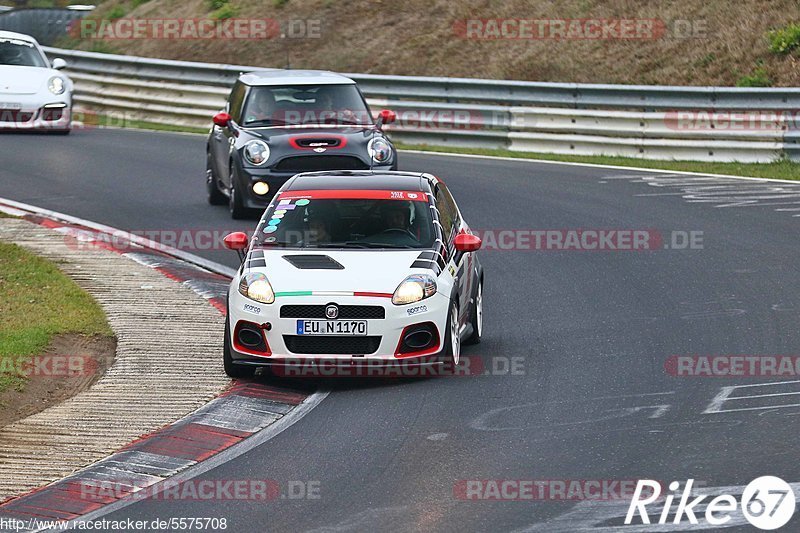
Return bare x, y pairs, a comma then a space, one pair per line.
346, 312
332, 345
310, 163
313, 142
15, 115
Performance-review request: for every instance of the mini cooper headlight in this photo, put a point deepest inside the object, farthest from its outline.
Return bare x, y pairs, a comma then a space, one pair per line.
380, 150
256, 286
256, 152
56, 85
413, 289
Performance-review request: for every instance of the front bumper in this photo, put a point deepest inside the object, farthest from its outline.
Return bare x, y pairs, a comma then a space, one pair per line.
275, 179
35, 112
281, 333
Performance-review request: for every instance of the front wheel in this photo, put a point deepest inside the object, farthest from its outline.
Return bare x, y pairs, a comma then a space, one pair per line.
451, 351
235, 200
232, 369
476, 317
215, 196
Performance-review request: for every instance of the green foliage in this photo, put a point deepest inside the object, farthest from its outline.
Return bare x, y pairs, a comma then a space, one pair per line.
214, 5
758, 78
227, 11
784, 40
117, 12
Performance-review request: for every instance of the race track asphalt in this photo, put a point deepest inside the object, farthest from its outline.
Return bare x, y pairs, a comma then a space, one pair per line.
589, 333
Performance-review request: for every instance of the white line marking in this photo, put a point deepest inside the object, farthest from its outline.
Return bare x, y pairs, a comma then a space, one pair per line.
763, 395
169, 250
718, 400
595, 165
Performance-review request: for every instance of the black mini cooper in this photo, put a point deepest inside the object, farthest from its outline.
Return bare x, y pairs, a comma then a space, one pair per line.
281, 122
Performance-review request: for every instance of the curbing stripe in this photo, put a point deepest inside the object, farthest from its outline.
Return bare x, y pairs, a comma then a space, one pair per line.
237, 414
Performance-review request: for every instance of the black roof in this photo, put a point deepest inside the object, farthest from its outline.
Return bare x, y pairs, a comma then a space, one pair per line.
362, 179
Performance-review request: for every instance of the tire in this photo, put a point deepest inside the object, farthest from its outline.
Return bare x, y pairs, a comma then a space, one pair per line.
476, 317
215, 196
451, 351
233, 370
235, 202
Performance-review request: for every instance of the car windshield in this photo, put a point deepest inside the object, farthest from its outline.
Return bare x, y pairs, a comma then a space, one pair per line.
20, 53
305, 104
375, 220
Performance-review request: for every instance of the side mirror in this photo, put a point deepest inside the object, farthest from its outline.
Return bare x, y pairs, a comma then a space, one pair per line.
237, 241
222, 119
59, 63
386, 116
467, 242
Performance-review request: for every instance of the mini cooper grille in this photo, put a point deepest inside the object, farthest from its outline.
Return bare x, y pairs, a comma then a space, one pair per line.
331, 345
346, 312
311, 142
310, 163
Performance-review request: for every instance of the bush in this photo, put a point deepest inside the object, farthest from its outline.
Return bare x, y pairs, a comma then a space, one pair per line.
784, 40
279, 3
215, 5
116, 13
758, 78
227, 11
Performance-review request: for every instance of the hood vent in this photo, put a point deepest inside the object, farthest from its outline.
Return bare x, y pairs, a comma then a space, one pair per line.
313, 262
319, 142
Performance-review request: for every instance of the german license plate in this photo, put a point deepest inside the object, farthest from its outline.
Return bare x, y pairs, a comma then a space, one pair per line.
332, 327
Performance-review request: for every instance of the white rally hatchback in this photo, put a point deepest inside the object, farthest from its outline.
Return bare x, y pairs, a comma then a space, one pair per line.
34, 94
355, 268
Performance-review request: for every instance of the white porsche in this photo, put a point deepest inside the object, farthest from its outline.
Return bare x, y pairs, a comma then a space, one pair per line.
34, 94
357, 268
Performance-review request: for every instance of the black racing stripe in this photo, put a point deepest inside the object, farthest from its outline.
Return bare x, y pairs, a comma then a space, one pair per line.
430, 254
255, 263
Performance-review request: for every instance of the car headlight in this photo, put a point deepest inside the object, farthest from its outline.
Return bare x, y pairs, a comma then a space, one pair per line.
413, 289
256, 152
57, 85
256, 286
379, 150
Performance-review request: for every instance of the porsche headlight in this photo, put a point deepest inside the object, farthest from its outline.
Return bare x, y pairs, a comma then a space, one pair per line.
256, 152
57, 85
379, 150
413, 289
256, 286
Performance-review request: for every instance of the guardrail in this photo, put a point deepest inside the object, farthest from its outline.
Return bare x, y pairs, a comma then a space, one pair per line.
44, 24
652, 122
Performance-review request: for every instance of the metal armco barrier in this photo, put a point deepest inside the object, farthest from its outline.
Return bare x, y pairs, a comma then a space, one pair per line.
45, 25
651, 122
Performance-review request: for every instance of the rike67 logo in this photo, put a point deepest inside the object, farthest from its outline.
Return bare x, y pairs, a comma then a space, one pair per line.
767, 503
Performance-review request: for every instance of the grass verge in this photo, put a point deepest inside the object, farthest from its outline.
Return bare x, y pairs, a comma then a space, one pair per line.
37, 302
102, 121
784, 169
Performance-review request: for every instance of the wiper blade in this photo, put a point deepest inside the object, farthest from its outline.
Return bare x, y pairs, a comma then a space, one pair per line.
270, 122
379, 244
